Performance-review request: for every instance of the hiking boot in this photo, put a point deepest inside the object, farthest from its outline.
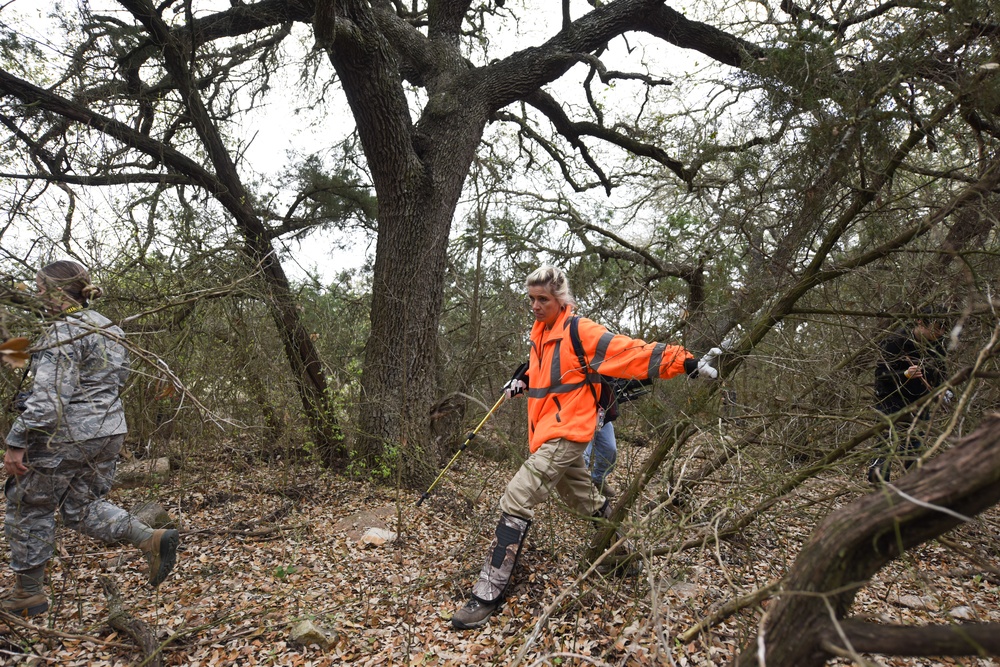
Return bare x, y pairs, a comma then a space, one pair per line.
28, 597
160, 551
473, 615
24, 604
607, 489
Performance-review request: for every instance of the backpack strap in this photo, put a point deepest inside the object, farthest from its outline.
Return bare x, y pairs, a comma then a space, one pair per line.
604, 401
574, 336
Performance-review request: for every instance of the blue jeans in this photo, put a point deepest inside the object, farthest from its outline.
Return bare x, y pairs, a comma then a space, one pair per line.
604, 452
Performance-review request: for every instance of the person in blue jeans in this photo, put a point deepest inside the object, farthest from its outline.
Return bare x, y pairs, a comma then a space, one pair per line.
602, 452
600, 456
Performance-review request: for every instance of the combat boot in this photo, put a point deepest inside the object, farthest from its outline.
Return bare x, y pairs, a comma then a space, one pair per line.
28, 597
160, 551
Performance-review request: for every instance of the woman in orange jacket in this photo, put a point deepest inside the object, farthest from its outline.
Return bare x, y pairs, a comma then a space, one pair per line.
563, 416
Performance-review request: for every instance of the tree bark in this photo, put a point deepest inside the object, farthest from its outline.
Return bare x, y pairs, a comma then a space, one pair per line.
854, 543
962, 639
418, 171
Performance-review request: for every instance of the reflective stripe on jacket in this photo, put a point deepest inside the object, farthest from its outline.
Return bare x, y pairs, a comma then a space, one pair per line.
560, 403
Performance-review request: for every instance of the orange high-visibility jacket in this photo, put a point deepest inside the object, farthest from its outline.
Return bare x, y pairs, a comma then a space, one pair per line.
560, 402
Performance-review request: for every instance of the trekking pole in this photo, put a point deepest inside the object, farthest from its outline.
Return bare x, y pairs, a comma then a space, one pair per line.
461, 449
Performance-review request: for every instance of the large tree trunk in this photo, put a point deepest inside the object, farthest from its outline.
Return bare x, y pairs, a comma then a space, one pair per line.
851, 545
418, 172
399, 374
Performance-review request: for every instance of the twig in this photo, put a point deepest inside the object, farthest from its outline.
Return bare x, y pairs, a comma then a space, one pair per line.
196, 296
990, 575
47, 632
547, 658
34, 657
984, 355
544, 618
977, 559
727, 610
260, 532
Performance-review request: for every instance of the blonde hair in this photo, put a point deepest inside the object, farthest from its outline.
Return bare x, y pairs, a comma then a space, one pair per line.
71, 279
555, 281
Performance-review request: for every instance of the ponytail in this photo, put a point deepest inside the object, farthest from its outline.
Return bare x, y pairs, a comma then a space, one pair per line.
71, 279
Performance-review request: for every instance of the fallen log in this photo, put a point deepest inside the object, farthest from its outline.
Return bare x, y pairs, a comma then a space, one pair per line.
854, 543
140, 631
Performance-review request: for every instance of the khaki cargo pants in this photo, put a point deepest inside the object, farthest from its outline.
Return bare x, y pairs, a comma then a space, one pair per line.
558, 464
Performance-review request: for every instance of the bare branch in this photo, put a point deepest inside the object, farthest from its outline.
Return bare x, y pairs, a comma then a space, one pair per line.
924, 640
574, 130
838, 27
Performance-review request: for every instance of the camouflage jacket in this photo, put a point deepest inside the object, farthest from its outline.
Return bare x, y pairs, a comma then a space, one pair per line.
77, 374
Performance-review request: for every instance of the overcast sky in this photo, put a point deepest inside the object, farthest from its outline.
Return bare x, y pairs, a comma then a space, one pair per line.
275, 132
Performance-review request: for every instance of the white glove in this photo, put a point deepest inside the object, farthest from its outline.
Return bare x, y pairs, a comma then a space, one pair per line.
705, 369
514, 387
947, 396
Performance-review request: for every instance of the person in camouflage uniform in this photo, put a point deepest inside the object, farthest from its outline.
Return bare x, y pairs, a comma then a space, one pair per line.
62, 449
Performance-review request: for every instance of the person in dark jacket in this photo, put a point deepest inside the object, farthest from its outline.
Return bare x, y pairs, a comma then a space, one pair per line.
62, 449
911, 365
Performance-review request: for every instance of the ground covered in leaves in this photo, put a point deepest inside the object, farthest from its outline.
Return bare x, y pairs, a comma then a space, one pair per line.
266, 546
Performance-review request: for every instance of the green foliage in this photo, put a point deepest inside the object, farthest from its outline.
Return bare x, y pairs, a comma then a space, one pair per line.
383, 468
282, 571
324, 196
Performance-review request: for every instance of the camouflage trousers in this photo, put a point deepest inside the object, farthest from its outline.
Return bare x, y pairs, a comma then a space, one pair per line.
72, 478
